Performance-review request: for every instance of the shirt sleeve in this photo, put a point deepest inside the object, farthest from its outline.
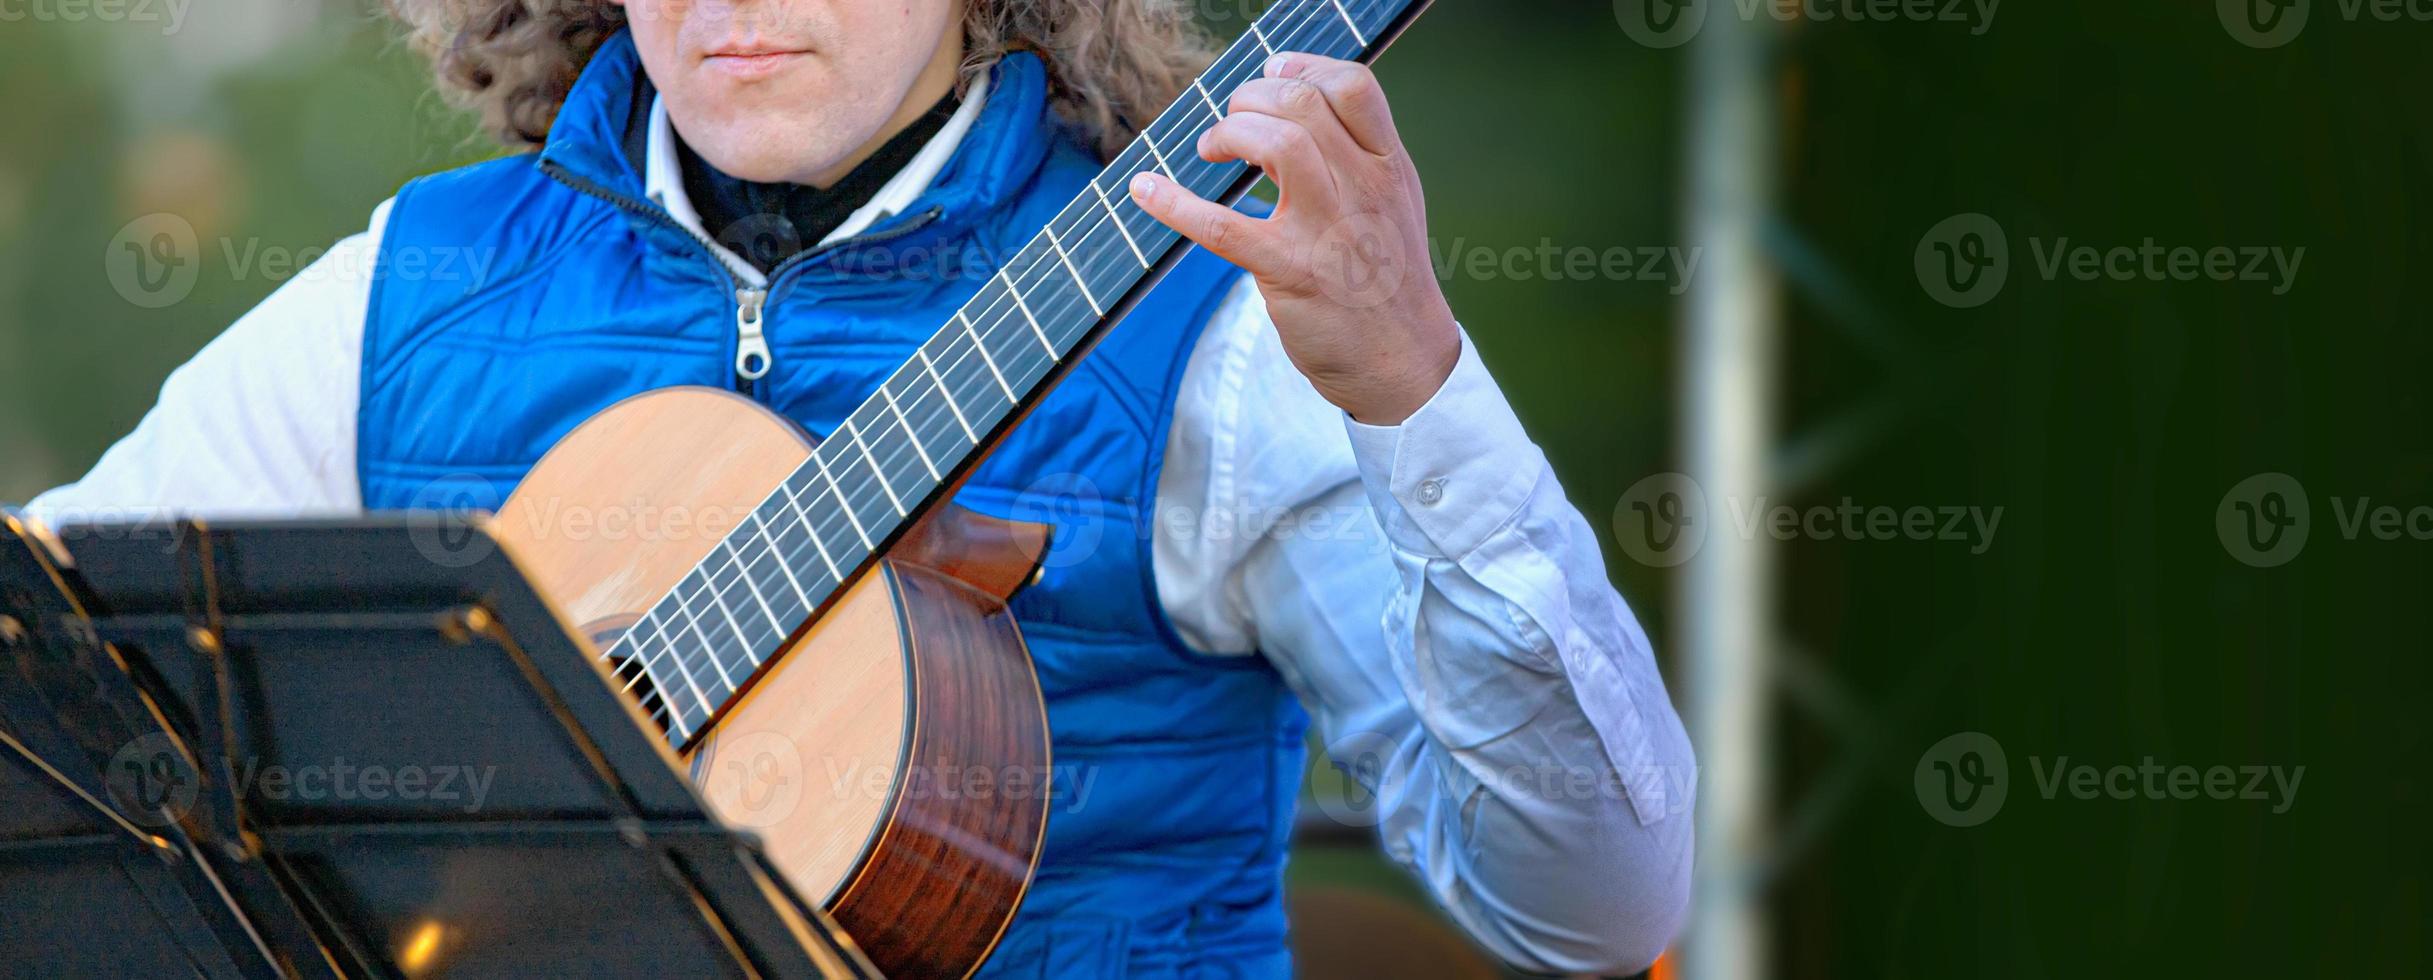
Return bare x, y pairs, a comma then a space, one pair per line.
260, 422
1444, 613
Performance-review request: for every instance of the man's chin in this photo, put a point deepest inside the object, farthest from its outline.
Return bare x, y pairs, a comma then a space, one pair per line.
770, 155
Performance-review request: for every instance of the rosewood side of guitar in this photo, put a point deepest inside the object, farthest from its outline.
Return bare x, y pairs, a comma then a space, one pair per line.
894, 757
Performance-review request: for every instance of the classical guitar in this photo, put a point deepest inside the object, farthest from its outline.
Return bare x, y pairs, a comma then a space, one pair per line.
851, 622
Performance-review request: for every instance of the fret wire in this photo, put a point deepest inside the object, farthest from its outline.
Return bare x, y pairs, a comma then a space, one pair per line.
784, 565
1347, 22
789, 543
1056, 303
744, 572
1022, 299
1160, 154
695, 623
1119, 224
896, 457
980, 345
1072, 324
946, 394
1025, 307
1067, 259
1213, 109
811, 531
751, 576
716, 660
932, 416
990, 361
730, 555
725, 595
926, 462
847, 505
1178, 117
684, 671
855, 436
632, 672
666, 686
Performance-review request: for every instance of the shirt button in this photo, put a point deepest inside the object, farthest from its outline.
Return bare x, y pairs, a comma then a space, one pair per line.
1431, 491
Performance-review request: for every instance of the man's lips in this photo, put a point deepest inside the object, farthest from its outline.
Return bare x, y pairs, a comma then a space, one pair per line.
753, 61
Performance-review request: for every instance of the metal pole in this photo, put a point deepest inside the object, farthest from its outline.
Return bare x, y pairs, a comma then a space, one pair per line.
1726, 605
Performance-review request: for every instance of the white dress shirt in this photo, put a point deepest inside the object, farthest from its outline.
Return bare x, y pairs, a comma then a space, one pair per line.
1438, 606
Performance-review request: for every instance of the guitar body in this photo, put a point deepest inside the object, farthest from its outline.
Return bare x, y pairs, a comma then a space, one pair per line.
894, 756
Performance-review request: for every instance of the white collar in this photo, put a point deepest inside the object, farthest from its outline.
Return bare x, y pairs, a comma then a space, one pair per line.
663, 178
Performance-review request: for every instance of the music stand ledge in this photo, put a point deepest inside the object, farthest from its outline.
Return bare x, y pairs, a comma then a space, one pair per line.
346, 748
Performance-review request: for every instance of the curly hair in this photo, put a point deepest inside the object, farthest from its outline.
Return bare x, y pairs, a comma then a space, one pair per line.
1112, 64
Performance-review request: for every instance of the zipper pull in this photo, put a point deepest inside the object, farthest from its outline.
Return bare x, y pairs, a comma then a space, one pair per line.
751, 349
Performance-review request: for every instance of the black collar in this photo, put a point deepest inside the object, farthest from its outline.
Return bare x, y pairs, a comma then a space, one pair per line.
767, 224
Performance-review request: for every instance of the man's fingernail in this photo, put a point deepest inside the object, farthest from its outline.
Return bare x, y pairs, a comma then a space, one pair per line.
1280, 66
1144, 187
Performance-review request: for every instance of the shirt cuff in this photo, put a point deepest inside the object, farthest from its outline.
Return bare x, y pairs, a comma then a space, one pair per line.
1454, 472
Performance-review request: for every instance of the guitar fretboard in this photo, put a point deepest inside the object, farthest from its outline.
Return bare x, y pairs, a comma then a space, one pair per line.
932, 419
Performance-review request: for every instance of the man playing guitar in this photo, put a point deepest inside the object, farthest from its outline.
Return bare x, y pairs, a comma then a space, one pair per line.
1320, 500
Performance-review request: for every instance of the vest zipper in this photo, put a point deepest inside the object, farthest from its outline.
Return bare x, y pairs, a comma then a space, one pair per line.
751, 348
752, 345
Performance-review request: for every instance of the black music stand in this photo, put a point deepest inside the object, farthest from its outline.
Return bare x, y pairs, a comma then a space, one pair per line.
360, 748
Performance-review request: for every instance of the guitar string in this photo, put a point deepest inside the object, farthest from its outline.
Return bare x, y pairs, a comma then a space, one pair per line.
1042, 271
1102, 257
1039, 273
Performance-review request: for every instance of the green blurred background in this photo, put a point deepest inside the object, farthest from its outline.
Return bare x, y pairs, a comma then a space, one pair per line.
2105, 620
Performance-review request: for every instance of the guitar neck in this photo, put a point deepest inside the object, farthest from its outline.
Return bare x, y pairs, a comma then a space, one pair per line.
907, 446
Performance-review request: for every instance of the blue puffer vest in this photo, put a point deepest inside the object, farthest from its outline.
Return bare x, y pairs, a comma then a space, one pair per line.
1176, 773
